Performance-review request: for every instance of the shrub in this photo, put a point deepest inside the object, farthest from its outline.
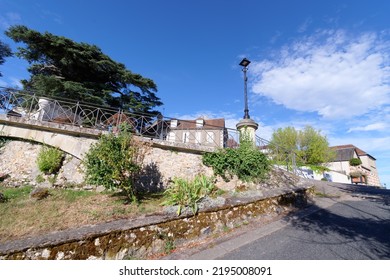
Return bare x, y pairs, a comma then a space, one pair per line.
188, 193
246, 162
355, 161
113, 162
50, 160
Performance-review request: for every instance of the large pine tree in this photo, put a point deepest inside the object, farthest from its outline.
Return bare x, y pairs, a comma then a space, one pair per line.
60, 67
4, 52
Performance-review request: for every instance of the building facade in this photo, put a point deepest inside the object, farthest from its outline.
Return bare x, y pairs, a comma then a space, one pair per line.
360, 171
205, 132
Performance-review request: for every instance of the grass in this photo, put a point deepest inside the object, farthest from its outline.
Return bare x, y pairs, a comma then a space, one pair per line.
324, 195
22, 216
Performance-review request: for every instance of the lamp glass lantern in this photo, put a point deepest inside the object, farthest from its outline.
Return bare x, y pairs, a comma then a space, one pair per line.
244, 63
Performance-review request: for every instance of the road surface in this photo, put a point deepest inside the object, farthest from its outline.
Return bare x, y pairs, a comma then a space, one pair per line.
354, 226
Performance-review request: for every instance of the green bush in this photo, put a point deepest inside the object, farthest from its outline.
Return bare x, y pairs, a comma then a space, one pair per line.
246, 162
50, 160
355, 161
188, 193
113, 162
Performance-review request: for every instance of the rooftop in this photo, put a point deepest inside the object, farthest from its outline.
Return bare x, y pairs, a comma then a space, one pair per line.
207, 124
345, 152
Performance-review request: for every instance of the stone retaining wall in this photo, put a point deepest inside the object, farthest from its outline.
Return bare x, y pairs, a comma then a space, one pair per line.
148, 235
161, 164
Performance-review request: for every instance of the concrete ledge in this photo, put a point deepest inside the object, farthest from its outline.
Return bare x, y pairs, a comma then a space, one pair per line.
43, 132
66, 129
175, 146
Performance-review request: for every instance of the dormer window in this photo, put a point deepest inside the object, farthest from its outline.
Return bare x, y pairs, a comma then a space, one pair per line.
173, 123
199, 123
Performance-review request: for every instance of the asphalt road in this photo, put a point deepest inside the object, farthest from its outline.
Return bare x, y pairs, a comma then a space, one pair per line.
354, 226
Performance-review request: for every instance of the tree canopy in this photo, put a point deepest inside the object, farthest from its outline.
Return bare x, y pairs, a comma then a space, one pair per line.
311, 147
4, 52
60, 67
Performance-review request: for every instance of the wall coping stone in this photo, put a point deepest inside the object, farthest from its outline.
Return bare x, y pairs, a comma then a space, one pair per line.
79, 131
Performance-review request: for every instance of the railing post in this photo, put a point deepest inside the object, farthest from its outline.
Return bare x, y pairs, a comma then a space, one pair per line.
119, 120
31, 105
75, 113
140, 126
294, 163
160, 127
7, 102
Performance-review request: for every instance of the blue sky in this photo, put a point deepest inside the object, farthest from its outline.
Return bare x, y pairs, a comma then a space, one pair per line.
319, 63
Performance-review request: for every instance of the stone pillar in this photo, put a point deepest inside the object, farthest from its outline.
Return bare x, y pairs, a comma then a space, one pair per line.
247, 128
43, 110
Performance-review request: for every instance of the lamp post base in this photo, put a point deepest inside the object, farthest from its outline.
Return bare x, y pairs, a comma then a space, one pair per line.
247, 129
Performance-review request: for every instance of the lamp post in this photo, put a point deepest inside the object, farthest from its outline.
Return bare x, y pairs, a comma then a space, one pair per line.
247, 127
244, 63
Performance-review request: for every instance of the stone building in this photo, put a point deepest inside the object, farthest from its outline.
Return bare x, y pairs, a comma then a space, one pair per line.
364, 173
205, 132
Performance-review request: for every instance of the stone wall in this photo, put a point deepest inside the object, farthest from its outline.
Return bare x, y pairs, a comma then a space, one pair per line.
161, 165
18, 164
150, 235
18, 161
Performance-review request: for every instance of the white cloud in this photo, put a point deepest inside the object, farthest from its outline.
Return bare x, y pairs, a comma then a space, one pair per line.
9, 19
3, 83
375, 123
275, 37
265, 131
376, 146
46, 14
11, 82
371, 127
304, 26
328, 73
15, 82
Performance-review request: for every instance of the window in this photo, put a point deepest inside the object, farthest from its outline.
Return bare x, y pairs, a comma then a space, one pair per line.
198, 137
210, 137
171, 137
186, 137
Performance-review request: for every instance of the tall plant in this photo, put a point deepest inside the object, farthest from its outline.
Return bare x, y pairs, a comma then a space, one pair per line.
50, 160
184, 192
114, 161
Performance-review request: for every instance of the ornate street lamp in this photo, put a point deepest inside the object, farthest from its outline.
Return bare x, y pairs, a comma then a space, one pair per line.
247, 127
244, 63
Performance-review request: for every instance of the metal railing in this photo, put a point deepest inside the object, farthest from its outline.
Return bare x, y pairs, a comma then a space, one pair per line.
30, 106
